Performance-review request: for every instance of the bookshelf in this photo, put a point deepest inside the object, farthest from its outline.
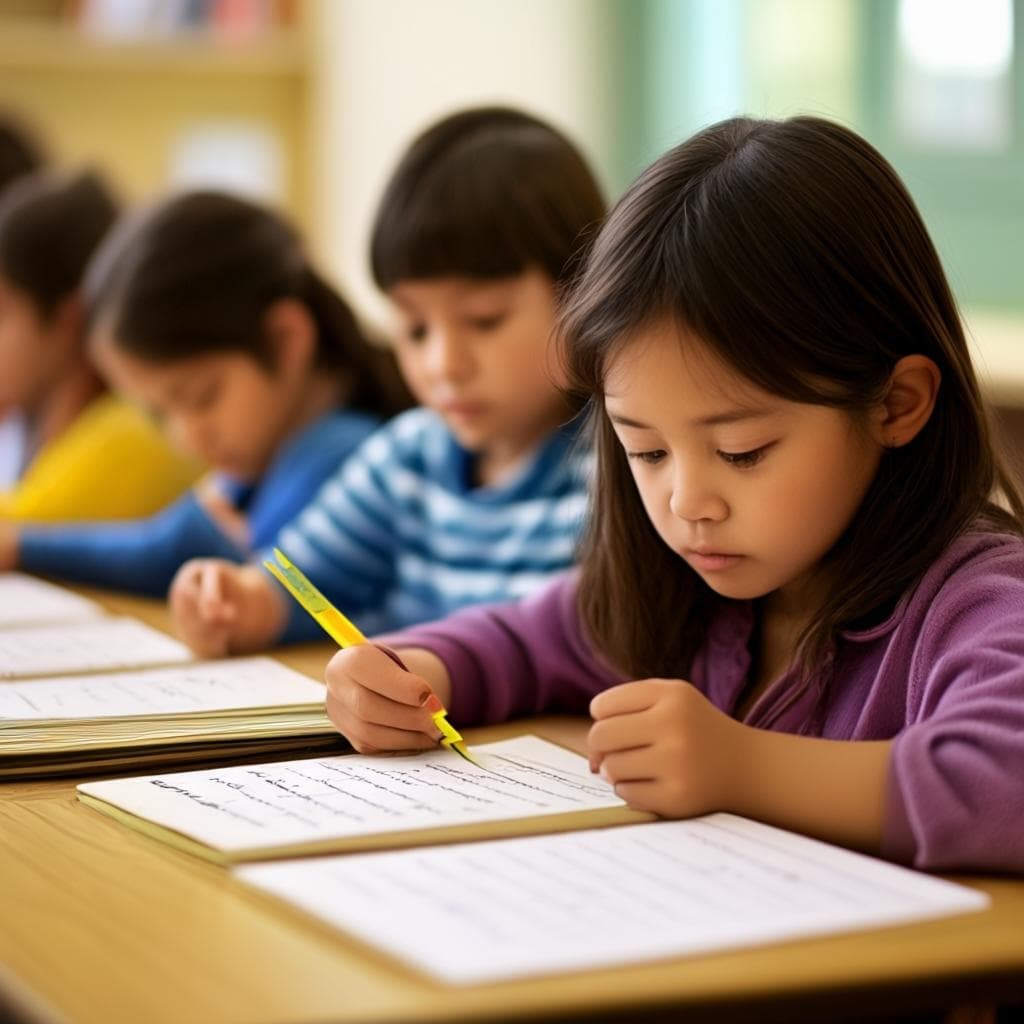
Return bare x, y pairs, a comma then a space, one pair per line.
128, 102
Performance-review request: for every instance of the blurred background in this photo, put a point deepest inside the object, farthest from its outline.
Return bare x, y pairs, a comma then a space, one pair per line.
307, 103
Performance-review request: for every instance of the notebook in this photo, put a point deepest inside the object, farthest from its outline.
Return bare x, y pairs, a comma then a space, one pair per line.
27, 601
318, 805
239, 707
92, 646
484, 912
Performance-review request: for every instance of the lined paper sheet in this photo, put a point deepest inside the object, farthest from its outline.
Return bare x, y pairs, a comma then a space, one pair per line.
108, 643
490, 911
26, 601
204, 687
292, 802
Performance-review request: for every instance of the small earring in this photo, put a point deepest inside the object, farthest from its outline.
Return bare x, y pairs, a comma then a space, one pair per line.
891, 443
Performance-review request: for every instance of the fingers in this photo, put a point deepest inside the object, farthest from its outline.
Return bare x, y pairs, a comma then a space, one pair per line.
625, 699
641, 796
208, 637
371, 737
377, 671
623, 732
628, 766
377, 704
213, 601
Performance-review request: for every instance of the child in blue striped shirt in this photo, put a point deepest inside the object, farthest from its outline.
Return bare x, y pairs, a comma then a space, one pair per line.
479, 494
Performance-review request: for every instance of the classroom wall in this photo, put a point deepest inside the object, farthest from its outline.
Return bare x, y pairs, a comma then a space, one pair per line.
388, 67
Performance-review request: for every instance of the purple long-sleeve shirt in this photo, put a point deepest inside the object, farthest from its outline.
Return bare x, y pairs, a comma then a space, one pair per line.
943, 676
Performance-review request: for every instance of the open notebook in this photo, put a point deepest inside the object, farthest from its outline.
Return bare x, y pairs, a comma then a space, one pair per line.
27, 601
244, 707
94, 645
490, 911
293, 808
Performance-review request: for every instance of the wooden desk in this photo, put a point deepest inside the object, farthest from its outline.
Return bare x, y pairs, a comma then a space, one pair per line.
100, 924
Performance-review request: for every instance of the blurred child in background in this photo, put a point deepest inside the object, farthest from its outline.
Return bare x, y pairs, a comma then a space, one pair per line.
479, 494
20, 154
87, 453
206, 312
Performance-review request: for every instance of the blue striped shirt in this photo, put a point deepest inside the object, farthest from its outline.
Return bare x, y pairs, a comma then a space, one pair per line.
400, 534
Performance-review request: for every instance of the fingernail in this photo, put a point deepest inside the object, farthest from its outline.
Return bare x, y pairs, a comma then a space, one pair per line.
433, 704
604, 773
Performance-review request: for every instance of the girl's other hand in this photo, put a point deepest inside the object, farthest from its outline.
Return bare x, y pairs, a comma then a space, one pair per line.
377, 704
665, 748
219, 608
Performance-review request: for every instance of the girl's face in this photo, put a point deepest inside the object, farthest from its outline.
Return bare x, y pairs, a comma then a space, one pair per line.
750, 489
226, 409
477, 353
32, 349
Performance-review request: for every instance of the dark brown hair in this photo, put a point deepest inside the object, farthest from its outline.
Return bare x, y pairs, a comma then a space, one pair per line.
20, 151
50, 225
196, 274
794, 252
485, 193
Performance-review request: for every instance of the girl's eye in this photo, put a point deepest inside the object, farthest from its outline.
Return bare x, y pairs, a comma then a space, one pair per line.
417, 332
488, 323
651, 457
744, 460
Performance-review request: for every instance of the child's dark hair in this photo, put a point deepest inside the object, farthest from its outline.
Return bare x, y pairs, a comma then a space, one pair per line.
50, 225
794, 252
485, 193
20, 151
196, 273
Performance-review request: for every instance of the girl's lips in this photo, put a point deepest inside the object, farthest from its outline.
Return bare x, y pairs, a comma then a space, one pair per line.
711, 561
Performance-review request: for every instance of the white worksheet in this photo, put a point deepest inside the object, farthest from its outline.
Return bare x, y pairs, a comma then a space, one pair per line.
97, 645
27, 601
249, 807
490, 911
198, 688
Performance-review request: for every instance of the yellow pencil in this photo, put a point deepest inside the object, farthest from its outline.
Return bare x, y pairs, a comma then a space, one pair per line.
345, 634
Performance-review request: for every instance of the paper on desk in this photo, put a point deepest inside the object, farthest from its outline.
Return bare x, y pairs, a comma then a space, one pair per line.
25, 601
200, 688
107, 643
336, 801
487, 911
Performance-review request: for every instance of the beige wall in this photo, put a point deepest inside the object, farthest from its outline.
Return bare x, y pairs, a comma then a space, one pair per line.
386, 68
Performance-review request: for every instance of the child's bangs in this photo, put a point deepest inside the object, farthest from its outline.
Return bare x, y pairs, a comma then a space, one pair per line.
446, 231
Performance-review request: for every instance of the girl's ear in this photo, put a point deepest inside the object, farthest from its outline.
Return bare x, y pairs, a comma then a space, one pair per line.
292, 334
909, 401
67, 321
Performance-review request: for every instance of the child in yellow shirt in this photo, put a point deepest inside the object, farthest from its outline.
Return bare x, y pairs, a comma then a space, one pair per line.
87, 455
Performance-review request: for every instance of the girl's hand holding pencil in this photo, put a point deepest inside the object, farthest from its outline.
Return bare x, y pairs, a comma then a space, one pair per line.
379, 706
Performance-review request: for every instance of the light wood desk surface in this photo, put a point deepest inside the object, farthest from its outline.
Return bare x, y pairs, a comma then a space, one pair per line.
100, 924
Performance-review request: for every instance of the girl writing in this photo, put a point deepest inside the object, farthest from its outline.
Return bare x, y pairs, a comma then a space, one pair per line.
475, 496
798, 600
206, 311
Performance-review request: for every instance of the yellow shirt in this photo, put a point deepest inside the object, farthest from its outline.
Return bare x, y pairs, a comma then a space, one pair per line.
110, 463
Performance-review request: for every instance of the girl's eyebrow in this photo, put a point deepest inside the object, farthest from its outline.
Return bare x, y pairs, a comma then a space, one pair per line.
712, 420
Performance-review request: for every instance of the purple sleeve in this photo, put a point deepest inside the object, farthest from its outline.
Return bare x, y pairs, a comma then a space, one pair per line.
511, 660
956, 775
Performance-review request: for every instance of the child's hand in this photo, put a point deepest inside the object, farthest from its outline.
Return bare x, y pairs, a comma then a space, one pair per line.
8, 545
664, 747
378, 705
219, 608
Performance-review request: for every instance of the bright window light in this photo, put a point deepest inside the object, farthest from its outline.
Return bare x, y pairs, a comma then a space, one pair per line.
956, 37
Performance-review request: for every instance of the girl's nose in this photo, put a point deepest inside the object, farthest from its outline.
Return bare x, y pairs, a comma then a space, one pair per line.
693, 499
